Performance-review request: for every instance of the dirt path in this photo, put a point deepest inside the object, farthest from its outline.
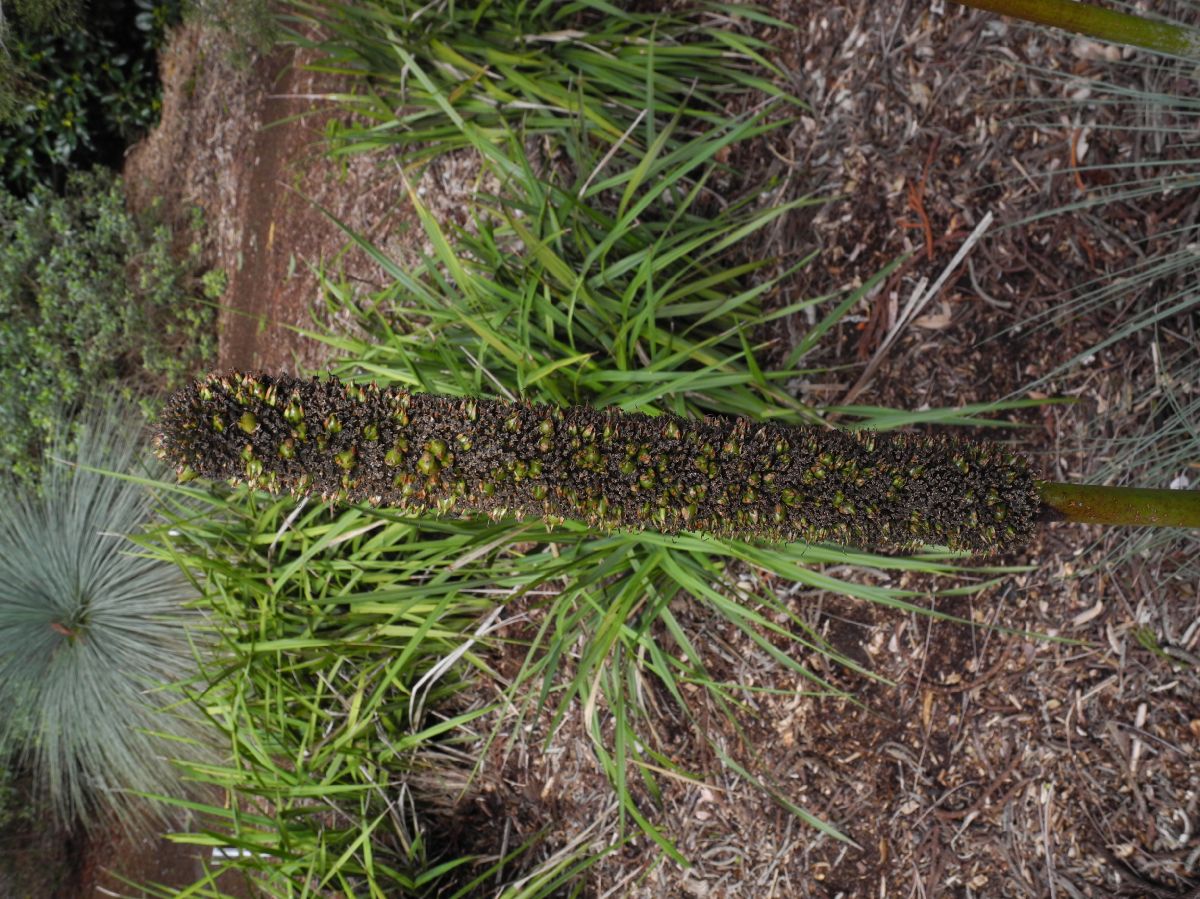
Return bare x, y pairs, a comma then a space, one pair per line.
242, 144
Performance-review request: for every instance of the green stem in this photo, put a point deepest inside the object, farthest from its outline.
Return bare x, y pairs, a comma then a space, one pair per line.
1105, 24
1089, 504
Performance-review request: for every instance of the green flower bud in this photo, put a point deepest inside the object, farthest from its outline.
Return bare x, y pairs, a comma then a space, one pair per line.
428, 465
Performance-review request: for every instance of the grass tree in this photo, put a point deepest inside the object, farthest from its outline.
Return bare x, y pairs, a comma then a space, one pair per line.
91, 633
606, 294
622, 290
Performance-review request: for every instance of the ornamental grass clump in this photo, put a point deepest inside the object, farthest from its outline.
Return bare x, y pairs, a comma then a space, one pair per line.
435, 77
92, 632
614, 470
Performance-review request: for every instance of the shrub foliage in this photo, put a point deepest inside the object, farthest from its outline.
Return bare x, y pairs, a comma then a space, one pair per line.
77, 85
88, 294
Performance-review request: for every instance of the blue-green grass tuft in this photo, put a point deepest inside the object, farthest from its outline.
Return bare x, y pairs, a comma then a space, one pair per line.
90, 632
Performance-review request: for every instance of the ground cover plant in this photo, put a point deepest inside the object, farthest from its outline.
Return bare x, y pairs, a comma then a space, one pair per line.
92, 634
330, 626
587, 72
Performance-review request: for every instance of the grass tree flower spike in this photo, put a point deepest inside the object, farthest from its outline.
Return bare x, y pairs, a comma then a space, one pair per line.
616, 470
611, 469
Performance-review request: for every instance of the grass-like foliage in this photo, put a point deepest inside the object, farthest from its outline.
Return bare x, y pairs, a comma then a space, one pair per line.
330, 682
584, 71
90, 632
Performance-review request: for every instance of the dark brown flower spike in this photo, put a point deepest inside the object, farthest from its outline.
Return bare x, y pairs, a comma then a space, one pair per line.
614, 470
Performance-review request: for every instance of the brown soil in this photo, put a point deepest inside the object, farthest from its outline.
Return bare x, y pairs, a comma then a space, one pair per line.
41, 861
985, 762
243, 144
127, 865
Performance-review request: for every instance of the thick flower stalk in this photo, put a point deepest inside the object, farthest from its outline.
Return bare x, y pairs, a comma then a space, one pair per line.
1106, 24
614, 470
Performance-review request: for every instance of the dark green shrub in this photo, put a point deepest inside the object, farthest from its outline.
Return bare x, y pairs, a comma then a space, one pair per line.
88, 294
77, 85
